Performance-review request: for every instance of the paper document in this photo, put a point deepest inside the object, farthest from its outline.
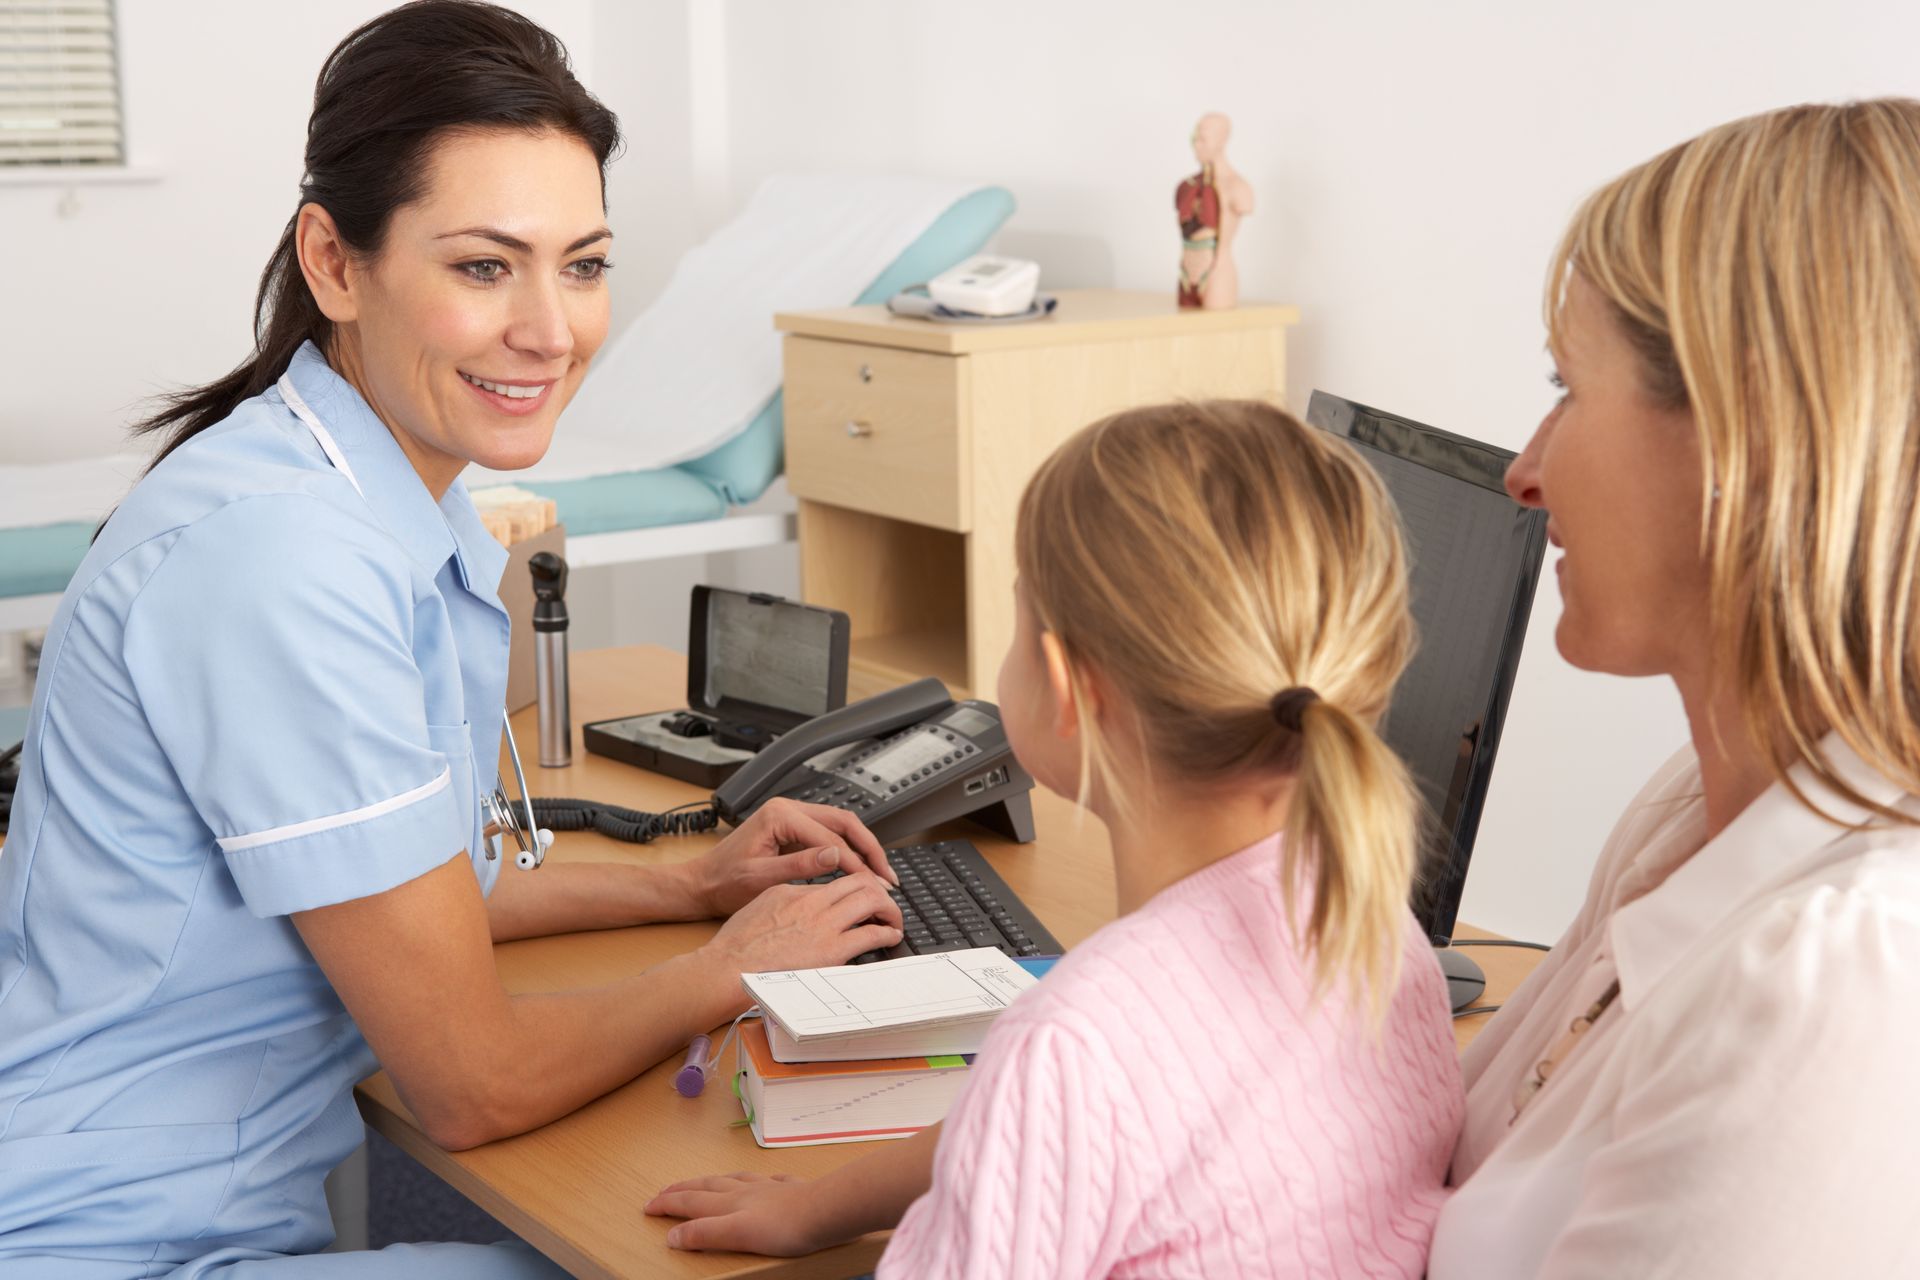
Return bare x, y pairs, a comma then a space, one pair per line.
915, 991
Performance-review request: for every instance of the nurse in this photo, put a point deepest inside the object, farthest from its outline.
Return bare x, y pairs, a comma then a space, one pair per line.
247, 864
1713, 1073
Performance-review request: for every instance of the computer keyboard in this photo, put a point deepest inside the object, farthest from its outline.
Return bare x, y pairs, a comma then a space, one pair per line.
951, 899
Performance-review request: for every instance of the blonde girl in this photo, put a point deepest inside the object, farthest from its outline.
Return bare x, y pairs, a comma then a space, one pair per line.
1251, 1072
1731, 475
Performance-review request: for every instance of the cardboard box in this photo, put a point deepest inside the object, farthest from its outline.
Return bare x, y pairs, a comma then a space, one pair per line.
516, 592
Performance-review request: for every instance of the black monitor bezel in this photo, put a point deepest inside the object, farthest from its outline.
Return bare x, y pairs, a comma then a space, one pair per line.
1444, 873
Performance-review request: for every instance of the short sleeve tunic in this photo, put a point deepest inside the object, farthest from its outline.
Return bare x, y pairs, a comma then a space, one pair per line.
274, 684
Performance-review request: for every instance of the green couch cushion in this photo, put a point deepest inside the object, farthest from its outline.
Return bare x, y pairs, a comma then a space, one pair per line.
43, 558
631, 500
39, 560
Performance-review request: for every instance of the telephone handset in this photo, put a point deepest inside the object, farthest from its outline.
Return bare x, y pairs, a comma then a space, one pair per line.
906, 760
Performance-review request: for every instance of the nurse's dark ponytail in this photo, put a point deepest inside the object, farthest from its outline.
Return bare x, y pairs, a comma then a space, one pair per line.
386, 94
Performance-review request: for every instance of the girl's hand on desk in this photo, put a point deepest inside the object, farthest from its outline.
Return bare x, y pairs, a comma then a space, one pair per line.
805, 926
783, 1215
784, 841
743, 1213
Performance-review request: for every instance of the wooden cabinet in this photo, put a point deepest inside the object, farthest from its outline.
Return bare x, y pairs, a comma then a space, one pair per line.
909, 443
877, 430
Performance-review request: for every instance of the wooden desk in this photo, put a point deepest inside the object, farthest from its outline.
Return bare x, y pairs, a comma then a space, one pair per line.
574, 1188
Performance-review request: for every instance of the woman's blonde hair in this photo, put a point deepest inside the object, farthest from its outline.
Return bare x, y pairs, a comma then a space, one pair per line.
1207, 559
1768, 274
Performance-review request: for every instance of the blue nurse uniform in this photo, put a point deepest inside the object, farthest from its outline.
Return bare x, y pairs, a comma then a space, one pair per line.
275, 683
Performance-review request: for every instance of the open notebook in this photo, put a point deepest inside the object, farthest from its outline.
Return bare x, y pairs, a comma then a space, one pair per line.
928, 993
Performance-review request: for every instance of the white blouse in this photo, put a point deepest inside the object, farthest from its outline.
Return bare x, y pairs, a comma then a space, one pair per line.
1750, 1105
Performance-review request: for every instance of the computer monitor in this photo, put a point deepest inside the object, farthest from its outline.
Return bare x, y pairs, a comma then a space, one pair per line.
1475, 559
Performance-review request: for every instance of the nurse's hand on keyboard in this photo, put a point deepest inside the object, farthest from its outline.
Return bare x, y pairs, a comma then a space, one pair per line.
808, 926
783, 841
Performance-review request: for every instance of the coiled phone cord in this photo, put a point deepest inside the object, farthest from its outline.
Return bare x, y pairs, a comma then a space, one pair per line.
631, 825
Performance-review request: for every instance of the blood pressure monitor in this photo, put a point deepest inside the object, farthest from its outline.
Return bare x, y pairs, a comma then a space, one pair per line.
987, 286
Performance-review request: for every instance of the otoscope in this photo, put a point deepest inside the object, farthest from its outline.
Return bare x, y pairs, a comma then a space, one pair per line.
550, 659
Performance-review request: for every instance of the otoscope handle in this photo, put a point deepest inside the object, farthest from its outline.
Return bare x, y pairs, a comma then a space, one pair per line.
550, 659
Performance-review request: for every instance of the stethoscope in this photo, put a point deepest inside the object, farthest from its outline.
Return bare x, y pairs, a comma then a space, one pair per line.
531, 839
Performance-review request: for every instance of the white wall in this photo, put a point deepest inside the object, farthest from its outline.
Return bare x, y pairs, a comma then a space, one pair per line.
134, 289
1414, 164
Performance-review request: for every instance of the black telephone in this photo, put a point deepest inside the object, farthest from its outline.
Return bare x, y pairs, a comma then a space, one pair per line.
906, 760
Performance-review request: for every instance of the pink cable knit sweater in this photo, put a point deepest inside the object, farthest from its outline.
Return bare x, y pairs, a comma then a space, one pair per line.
1169, 1103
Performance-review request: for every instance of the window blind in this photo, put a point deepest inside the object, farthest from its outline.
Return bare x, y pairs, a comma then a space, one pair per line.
59, 84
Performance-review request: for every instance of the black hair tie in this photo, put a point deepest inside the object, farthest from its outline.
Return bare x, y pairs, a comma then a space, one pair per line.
1289, 705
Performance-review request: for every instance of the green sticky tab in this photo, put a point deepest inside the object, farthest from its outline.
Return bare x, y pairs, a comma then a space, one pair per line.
947, 1060
738, 1076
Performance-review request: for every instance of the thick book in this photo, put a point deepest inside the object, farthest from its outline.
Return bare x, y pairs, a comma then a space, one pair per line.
914, 994
816, 1103
963, 1039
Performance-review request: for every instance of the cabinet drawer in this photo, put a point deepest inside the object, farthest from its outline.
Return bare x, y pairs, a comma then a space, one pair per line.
877, 429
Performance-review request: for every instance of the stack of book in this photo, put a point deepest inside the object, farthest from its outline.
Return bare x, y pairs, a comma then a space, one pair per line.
862, 1052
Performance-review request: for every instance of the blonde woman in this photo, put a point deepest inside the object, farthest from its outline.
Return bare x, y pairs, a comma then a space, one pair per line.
1251, 1072
1714, 1073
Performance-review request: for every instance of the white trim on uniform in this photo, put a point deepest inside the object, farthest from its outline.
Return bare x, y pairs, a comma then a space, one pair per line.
306, 415
292, 831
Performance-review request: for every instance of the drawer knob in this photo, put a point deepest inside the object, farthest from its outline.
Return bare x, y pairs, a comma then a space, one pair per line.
866, 373
859, 430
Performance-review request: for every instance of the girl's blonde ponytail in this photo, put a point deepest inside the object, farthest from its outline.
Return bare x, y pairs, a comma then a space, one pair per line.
1351, 835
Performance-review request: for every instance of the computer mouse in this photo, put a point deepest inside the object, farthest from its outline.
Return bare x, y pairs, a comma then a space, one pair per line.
1465, 982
